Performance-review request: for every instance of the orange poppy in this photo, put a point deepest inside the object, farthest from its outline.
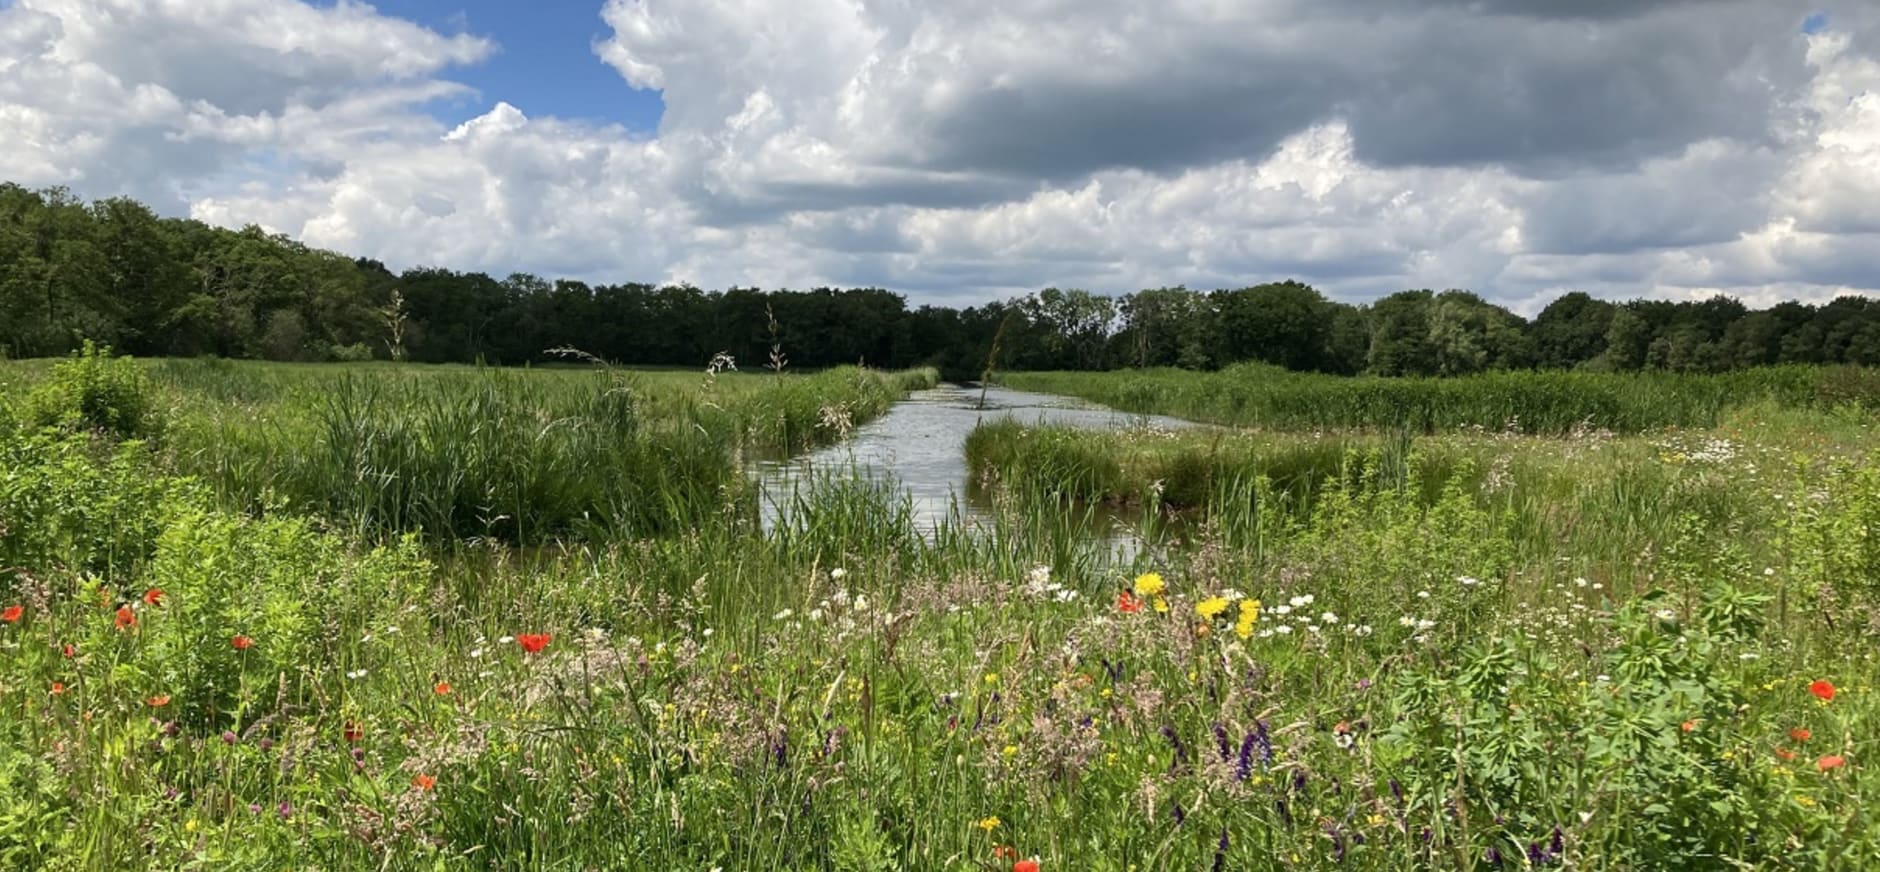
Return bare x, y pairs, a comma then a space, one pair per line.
441, 688
533, 643
12, 614
159, 701
1785, 753
1025, 866
58, 688
424, 782
1004, 852
1823, 689
153, 596
242, 643
1688, 726
1832, 761
125, 617
1800, 734
70, 651
1128, 603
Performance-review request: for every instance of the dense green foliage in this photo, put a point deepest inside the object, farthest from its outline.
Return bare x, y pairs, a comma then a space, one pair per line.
95, 391
1256, 395
112, 271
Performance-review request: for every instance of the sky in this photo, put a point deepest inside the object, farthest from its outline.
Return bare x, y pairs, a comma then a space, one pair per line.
964, 150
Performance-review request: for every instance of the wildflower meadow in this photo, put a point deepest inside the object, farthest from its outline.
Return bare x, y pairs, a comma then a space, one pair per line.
404, 617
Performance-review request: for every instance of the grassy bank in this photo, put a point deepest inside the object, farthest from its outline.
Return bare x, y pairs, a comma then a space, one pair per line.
1255, 395
518, 455
1615, 653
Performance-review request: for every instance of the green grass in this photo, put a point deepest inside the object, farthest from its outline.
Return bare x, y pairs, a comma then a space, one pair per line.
1491, 643
1256, 395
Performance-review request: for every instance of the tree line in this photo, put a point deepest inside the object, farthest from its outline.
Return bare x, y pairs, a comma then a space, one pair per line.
114, 272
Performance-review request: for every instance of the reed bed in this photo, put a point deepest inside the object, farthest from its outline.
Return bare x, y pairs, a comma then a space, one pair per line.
1257, 395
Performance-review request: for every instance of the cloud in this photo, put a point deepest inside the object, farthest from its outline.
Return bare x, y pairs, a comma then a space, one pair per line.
966, 149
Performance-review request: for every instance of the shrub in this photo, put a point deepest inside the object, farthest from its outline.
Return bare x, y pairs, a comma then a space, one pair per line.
97, 392
358, 352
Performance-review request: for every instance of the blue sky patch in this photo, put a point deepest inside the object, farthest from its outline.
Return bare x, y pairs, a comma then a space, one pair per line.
544, 62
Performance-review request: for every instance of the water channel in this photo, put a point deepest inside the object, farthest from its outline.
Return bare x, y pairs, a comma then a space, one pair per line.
920, 446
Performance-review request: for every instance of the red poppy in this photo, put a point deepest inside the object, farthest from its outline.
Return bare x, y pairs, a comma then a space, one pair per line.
1832, 761
533, 643
242, 643
71, 651
153, 596
353, 732
424, 782
1004, 852
159, 701
1785, 753
1822, 689
441, 688
1800, 734
1025, 866
125, 617
1128, 603
1688, 726
12, 614
58, 688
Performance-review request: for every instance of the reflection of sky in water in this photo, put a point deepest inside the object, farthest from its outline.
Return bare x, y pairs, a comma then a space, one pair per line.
921, 444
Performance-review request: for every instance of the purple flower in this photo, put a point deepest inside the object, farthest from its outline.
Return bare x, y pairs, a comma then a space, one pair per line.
228, 737
1220, 739
1244, 766
1175, 741
285, 809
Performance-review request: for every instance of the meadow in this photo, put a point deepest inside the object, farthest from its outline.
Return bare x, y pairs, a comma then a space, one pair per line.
260, 617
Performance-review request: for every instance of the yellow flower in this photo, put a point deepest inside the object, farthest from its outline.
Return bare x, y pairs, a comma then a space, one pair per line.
989, 824
1210, 607
992, 678
1011, 751
1150, 584
1249, 615
1805, 801
190, 826
1161, 605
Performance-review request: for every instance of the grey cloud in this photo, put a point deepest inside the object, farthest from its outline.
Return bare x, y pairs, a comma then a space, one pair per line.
1552, 97
1706, 199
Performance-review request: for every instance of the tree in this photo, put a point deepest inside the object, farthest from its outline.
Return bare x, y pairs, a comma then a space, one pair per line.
1628, 339
1400, 335
1285, 323
1571, 331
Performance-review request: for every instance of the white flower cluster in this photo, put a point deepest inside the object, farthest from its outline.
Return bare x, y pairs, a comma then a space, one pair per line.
1286, 621
1040, 585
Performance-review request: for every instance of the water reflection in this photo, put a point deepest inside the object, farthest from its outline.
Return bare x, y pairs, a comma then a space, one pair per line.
920, 444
